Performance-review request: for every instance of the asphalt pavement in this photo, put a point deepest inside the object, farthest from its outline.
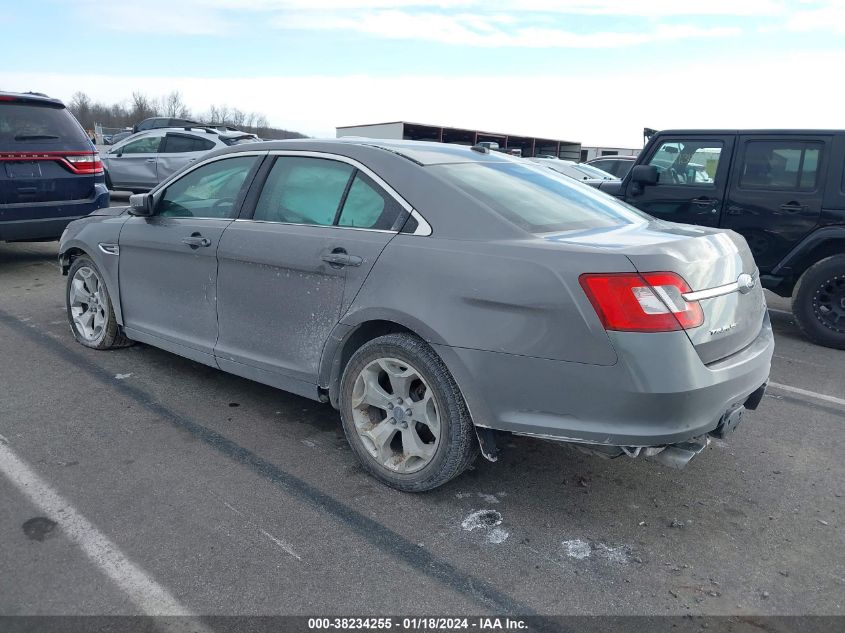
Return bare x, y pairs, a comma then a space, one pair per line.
134, 481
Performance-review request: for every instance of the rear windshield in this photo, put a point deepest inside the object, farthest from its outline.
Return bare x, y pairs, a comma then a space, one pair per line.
237, 140
25, 123
537, 199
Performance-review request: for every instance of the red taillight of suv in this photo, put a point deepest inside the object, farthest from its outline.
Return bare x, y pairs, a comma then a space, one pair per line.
647, 302
77, 162
84, 163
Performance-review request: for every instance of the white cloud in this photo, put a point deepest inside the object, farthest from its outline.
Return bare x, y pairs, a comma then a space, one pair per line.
608, 109
445, 21
828, 16
645, 8
485, 30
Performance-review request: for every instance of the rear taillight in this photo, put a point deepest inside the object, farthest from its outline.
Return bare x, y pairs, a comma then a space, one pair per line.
84, 163
647, 302
77, 162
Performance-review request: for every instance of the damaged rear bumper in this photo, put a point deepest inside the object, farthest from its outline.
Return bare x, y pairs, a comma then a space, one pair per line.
659, 396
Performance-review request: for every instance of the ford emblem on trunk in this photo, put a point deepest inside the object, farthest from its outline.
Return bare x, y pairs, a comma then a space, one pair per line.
745, 283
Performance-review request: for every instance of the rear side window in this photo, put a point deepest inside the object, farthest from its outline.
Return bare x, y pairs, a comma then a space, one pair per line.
178, 143
303, 191
146, 145
368, 207
22, 123
780, 165
537, 199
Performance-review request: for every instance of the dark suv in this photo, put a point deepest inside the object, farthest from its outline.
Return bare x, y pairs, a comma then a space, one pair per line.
50, 172
158, 122
783, 190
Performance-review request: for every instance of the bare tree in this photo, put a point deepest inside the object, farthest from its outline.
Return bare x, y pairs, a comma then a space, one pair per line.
141, 107
80, 106
173, 106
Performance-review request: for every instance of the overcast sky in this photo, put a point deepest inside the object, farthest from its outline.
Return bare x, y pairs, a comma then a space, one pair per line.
594, 71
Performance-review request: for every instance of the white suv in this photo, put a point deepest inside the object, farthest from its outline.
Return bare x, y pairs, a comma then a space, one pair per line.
141, 161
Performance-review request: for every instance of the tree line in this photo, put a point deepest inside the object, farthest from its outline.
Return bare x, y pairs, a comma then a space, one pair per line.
141, 106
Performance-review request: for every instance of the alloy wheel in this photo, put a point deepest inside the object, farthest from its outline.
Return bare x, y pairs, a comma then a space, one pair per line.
396, 415
88, 304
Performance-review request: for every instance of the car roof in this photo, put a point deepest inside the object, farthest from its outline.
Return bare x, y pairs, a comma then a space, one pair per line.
750, 131
32, 97
612, 157
420, 152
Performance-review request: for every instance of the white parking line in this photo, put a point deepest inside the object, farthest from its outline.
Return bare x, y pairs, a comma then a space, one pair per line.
150, 597
809, 394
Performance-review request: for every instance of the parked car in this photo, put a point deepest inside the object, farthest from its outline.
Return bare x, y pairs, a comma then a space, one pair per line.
781, 189
117, 137
595, 172
619, 166
50, 172
573, 170
143, 160
158, 122
432, 293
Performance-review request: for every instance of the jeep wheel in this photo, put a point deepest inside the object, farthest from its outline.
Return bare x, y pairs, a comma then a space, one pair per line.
818, 302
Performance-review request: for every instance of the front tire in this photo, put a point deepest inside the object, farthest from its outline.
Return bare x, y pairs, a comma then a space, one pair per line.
404, 415
89, 308
818, 302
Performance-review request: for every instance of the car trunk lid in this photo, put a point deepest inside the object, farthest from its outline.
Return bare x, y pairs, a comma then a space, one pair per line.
723, 278
710, 261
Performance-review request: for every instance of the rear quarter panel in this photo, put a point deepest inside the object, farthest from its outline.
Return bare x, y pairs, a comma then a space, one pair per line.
501, 296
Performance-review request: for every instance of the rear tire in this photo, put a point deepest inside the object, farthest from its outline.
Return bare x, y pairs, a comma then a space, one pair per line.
818, 302
418, 435
89, 307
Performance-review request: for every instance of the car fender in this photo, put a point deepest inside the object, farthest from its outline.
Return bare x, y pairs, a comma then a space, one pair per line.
331, 368
98, 240
810, 242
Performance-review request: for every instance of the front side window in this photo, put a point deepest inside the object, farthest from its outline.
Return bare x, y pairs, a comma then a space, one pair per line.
209, 191
780, 165
146, 145
179, 143
536, 199
687, 162
302, 190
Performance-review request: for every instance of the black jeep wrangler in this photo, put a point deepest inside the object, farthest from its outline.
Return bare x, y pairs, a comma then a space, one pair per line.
783, 190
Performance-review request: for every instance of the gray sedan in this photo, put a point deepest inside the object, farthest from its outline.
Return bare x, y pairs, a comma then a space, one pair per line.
143, 160
436, 295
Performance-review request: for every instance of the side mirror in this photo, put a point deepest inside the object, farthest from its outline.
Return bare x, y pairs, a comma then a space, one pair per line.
645, 175
141, 204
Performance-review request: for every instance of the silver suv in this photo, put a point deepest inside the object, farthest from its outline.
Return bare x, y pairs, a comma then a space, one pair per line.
143, 160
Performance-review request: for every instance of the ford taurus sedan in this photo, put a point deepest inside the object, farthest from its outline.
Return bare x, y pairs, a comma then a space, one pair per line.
434, 294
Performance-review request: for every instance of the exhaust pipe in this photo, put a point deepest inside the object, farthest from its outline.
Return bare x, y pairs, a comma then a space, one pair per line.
679, 455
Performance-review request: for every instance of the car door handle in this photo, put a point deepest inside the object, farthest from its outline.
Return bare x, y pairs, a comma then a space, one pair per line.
704, 202
734, 209
339, 257
151, 160
196, 240
793, 207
